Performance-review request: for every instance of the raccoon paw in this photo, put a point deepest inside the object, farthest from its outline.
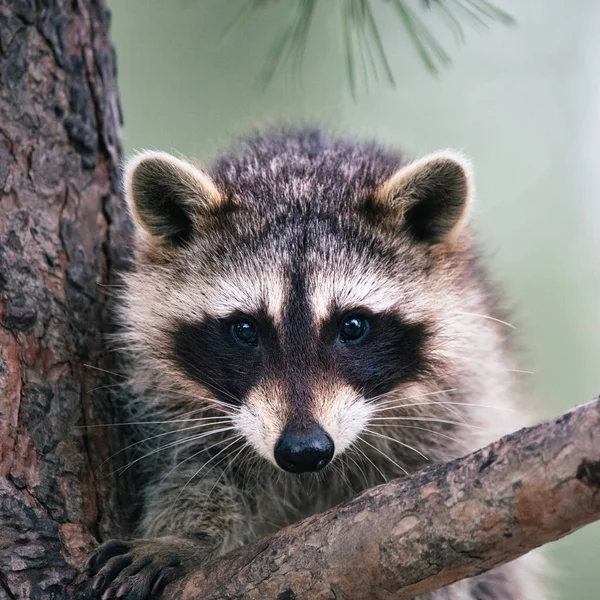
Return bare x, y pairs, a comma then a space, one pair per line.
138, 569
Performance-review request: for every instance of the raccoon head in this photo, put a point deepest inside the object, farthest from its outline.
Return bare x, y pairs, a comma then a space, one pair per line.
295, 284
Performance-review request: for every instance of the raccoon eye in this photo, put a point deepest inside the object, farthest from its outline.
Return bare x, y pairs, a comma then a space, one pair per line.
353, 329
244, 332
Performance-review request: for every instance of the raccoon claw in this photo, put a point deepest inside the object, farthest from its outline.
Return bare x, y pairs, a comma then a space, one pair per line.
136, 570
101, 555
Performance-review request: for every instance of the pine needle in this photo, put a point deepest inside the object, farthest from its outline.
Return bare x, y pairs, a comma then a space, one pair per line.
361, 33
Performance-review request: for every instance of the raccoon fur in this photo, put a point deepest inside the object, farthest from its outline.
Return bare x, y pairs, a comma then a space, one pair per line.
307, 318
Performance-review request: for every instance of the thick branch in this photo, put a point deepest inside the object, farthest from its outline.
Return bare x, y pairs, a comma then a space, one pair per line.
415, 535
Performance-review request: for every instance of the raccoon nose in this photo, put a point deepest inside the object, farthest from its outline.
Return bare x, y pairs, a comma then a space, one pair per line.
302, 451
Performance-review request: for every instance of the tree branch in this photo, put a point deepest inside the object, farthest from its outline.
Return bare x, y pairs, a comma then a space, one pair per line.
415, 535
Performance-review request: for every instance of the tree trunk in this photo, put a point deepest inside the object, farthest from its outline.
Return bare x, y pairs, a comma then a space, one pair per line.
60, 222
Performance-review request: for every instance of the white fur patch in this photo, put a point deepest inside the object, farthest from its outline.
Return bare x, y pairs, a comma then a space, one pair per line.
342, 414
262, 418
243, 291
350, 286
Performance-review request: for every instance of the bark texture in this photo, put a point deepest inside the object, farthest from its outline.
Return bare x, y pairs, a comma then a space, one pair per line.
415, 535
59, 224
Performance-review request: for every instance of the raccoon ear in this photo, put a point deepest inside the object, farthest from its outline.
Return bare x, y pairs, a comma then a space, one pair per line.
168, 197
431, 197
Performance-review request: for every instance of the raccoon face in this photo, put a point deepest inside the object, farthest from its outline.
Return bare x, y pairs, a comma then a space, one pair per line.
293, 294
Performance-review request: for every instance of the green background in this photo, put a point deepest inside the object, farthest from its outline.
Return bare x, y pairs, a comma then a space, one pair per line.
522, 102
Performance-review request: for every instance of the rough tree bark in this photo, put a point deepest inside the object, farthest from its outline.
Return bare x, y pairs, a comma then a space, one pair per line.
415, 535
59, 224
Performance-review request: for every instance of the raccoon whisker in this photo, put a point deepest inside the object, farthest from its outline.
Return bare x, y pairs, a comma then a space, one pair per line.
197, 454
414, 396
214, 385
484, 363
168, 422
196, 411
444, 435
158, 435
470, 314
173, 444
399, 402
444, 403
159, 388
387, 437
343, 472
207, 398
202, 467
226, 457
333, 471
369, 460
173, 391
104, 387
192, 396
231, 461
246, 464
230, 457
426, 419
105, 371
180, 417
191, 420
315, 482
375, 398
456, 412
170, 445
384, 455
339, 471
226, 405
223, 407
358, 466
336, 470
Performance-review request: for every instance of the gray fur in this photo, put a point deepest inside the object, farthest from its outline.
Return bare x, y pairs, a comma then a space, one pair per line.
337, 214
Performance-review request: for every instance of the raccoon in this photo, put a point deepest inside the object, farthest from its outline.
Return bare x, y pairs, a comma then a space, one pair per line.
306, 319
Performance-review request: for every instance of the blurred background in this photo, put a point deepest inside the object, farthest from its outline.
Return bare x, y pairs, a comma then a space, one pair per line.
523, 102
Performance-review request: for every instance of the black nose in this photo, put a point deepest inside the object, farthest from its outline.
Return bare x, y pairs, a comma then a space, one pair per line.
303, 450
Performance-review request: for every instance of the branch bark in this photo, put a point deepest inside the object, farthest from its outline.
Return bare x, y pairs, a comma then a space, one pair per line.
415, 535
